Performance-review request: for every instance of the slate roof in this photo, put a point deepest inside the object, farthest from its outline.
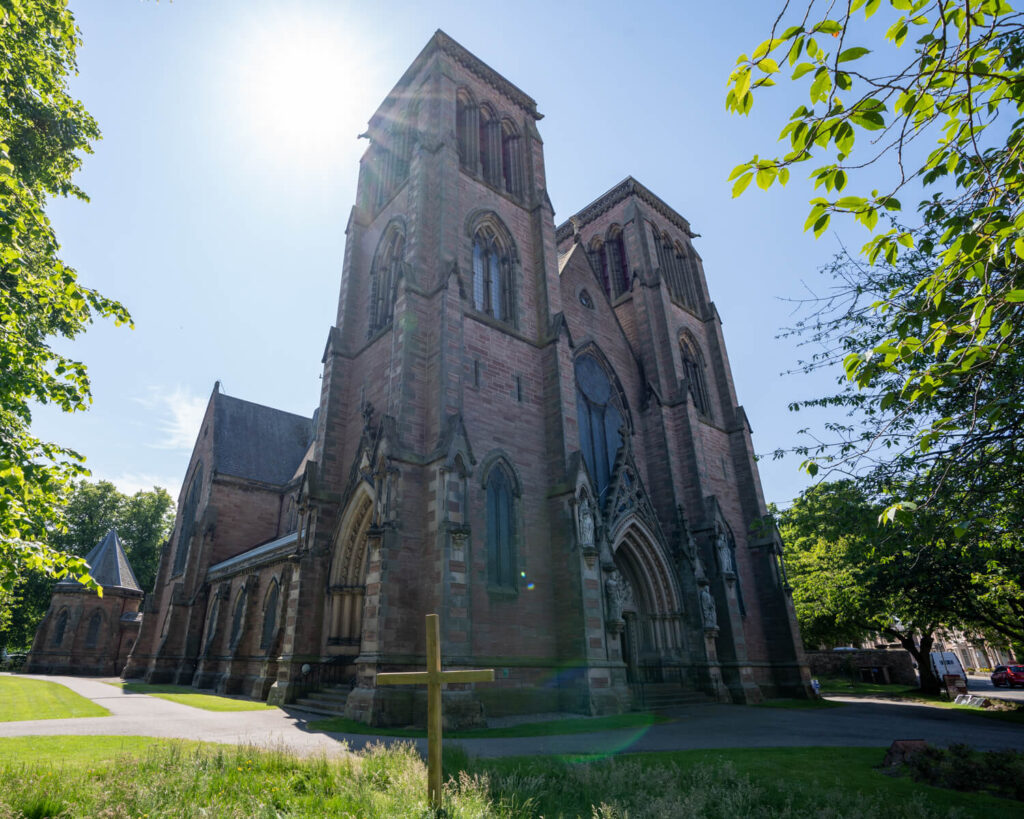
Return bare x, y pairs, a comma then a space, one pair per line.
257, 442
109, 566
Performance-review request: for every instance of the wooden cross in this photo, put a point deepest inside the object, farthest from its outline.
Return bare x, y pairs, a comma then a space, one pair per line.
434, 677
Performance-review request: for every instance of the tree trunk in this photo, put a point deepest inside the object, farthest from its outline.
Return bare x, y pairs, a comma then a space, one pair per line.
921, 652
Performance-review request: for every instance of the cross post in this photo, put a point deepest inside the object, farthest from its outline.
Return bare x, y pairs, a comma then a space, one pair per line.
434, 677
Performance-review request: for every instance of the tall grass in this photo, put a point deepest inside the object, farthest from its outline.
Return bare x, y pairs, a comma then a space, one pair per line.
173, 779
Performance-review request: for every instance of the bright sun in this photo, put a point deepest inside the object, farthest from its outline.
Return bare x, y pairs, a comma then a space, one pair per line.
298, 93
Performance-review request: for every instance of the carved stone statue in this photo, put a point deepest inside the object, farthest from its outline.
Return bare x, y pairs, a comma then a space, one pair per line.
724, 552
619, 594
586, 524
707, 608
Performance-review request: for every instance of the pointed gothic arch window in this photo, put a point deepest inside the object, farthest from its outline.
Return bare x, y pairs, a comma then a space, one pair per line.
237, 618
490, 146
614, 264
211, 622
270, 615
596, 254
600, 420
384, 273
188, 520
693, 369
60, 628
499, 489
92, 632
492, 274
511, 158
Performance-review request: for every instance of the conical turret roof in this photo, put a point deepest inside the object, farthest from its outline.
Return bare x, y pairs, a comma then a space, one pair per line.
109, 565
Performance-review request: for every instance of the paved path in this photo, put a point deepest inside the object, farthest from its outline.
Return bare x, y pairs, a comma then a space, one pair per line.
859, 722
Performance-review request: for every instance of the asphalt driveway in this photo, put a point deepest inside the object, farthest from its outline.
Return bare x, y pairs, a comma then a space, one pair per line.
870, 723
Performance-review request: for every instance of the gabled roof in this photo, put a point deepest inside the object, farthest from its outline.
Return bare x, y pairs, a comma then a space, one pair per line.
606, 201
109, 565
257, 442
446, 45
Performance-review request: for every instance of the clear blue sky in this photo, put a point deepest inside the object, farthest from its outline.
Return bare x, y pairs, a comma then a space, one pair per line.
222, 185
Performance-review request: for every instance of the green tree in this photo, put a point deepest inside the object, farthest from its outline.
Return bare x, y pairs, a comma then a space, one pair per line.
852, 577
43, 133
947, 328
143, 521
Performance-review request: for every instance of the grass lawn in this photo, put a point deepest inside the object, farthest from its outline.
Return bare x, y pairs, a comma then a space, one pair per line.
572, 725
186, 695
847, 688
22, 699
798, 703
134, 776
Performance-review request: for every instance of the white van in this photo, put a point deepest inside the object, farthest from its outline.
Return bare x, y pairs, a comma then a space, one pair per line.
947, 663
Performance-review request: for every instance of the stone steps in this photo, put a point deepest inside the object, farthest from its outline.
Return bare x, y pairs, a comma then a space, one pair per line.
657, 696
329, 701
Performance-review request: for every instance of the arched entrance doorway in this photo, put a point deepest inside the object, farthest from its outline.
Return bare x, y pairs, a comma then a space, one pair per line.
650, 604
347, 582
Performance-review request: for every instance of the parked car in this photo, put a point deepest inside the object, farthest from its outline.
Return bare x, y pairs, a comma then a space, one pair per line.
1011, 675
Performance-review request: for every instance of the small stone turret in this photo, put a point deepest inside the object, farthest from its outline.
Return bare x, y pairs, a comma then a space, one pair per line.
83, 633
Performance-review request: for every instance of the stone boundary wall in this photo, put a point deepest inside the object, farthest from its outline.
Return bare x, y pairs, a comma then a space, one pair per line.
896, 667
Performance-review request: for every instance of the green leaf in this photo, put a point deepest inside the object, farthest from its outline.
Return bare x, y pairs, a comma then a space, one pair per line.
854, 53
741, 184
1015, 296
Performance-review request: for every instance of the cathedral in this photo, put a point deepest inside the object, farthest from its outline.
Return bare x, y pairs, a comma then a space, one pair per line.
528, 429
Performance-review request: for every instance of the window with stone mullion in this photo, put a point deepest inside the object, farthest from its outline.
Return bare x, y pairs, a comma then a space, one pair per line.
491, 289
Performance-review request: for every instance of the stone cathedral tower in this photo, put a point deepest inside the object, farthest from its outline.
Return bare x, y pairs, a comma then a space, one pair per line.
531, 431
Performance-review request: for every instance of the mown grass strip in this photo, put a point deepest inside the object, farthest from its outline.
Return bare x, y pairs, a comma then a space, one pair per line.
23, 699
573, 725
186, 695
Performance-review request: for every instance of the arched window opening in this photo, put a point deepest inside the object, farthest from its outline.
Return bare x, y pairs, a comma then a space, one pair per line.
236, 619
490, 147
600, 422
500, 529
60, 628
693, 370
597, 261
92, 633
616, 275
188, 520
467, 130
211, 623
511, 159
270, 616
386, 269
492, 275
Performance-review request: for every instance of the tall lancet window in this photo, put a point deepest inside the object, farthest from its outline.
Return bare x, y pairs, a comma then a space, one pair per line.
188, 520
490, 146
467, 130
600, 421
616, 268
384, 275
693, 369
511, 158
492, 275
501, 528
